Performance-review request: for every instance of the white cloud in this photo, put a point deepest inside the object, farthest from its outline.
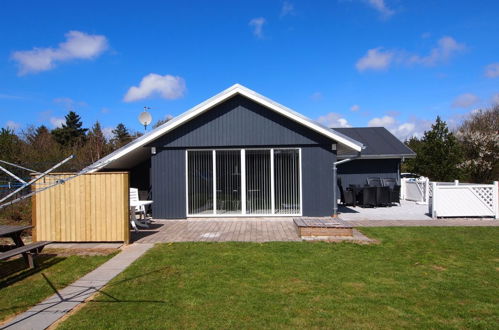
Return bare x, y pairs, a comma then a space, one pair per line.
445, 49
57, 121
402, 130
381, 7
69, 103
167, 86
492, 70
316, 96
257, 25
413, 127
381, 121
375, 59
333, 119
287, 9
495, 98
465, 100
12, 125
381, 59
8, 96
355, 108
78, 45
108, 132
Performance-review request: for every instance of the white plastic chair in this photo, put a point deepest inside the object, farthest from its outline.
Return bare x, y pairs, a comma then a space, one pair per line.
138, 207
134, 197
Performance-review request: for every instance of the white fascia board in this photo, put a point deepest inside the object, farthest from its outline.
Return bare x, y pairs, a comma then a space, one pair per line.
210, 103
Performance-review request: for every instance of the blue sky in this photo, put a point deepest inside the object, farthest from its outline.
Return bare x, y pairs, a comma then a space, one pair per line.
394, 63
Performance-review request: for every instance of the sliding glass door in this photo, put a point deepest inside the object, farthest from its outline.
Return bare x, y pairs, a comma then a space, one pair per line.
228, 164
243, 182
200, 182
287, 181
258, 184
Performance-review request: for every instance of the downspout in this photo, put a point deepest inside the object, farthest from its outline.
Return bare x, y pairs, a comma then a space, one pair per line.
335, 185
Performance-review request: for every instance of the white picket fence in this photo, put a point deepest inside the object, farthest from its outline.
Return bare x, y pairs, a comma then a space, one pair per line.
416, 190
464, 200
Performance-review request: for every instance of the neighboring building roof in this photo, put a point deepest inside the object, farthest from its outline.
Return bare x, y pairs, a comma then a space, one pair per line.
378, 142
134, 151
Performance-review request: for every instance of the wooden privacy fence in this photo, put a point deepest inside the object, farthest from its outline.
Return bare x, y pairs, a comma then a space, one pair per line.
89, 208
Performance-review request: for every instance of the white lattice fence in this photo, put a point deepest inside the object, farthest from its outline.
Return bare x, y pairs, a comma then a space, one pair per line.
416, 190
464, 200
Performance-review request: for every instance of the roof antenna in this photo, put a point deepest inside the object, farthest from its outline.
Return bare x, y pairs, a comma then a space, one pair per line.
145, 118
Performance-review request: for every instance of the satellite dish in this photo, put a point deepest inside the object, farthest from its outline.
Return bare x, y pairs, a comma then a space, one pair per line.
145, 118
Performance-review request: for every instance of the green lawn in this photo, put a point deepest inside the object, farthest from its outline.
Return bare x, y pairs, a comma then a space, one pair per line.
21, 287
415, 278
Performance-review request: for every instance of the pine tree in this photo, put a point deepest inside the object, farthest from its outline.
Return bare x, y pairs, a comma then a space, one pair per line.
41, 149
97, 143
439, 155
121, 136
71, 133
9, 145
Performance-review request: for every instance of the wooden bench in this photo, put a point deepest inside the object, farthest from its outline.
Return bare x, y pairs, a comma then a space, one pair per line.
28, 252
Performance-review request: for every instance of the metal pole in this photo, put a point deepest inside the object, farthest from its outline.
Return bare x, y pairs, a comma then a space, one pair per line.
13, 175
335, 187
37, 178
19, 166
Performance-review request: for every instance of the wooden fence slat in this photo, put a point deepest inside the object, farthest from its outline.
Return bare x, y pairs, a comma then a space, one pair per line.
89, 208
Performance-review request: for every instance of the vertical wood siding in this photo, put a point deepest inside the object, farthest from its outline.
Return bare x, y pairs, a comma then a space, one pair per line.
318, 185
90, 208
168, 184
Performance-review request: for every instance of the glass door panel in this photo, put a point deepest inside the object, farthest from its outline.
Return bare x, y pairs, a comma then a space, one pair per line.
258, 182
200, 182
287, 181
228, 190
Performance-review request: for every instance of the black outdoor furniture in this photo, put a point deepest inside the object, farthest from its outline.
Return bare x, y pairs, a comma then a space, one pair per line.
374, 182
395, 194
368, 196
347, 196
28, 251
389, 182
383, 196
378, 192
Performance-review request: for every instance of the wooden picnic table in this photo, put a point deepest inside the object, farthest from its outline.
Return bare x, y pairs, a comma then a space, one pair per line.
28, 251
14, 232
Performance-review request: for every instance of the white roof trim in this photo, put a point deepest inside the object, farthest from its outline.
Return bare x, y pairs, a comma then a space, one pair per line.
210, 103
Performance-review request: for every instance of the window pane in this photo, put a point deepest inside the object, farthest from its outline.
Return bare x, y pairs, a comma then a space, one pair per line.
258, 196
228, 166
287, 181
200, 182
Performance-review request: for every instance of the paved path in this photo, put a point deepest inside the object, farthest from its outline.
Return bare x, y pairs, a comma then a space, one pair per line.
50, 310
219, 230
425, 223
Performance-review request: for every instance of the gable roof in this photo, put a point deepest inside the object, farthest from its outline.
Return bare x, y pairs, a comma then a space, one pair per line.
378, 141
133, 151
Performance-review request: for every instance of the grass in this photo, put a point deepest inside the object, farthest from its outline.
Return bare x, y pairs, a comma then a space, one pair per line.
415, 278
22, 288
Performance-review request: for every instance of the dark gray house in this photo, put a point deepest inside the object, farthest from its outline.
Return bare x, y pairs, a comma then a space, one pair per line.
381, 157
235, 154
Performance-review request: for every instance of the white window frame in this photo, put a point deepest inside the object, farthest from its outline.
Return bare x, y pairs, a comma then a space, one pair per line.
242, 152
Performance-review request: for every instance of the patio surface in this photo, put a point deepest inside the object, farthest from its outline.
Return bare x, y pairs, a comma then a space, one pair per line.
268, 229
406, 211
219, 230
